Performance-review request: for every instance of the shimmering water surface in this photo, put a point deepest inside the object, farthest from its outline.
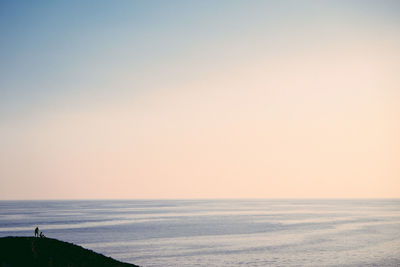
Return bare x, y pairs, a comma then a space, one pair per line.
219, 232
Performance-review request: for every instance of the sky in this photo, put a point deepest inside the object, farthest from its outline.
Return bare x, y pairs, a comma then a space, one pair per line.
199, 99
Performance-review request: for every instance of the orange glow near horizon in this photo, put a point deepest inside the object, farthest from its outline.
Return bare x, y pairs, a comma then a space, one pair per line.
310, 116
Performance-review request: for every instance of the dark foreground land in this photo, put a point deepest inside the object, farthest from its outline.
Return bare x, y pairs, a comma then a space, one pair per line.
31, 251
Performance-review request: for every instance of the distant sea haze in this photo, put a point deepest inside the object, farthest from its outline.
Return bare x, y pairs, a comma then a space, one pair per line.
219, 232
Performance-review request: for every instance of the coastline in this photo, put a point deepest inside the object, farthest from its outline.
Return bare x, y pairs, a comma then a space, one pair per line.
35, 251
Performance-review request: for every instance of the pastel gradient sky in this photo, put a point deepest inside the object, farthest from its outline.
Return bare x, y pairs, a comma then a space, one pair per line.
199, 99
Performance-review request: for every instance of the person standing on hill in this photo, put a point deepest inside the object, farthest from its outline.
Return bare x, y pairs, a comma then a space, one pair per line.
37, 232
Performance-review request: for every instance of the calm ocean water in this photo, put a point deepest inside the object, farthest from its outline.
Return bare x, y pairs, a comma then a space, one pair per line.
219, 232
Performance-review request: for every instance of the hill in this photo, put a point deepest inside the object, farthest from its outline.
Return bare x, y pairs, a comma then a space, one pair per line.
31, 251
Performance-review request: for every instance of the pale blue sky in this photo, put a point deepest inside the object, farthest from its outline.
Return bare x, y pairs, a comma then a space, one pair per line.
55, 52
171, 99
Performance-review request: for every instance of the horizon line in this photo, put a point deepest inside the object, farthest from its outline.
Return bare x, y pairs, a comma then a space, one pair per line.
239, 198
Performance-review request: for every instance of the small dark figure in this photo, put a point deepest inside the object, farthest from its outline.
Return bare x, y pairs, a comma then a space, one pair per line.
41, 235
37, 232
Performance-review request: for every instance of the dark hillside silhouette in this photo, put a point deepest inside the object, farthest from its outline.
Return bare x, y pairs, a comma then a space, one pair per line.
31, 251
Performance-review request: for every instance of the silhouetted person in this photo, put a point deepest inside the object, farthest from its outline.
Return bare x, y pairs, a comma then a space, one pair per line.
37, 232
41, 235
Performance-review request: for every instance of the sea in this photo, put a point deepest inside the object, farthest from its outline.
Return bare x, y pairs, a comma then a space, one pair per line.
219, 232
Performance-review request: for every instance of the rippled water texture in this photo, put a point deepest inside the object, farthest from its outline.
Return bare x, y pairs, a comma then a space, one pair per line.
219, 232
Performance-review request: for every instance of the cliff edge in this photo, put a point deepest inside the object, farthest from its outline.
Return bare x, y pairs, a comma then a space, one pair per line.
31, 251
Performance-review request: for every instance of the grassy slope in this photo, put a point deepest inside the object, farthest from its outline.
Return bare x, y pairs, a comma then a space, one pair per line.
30, 251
